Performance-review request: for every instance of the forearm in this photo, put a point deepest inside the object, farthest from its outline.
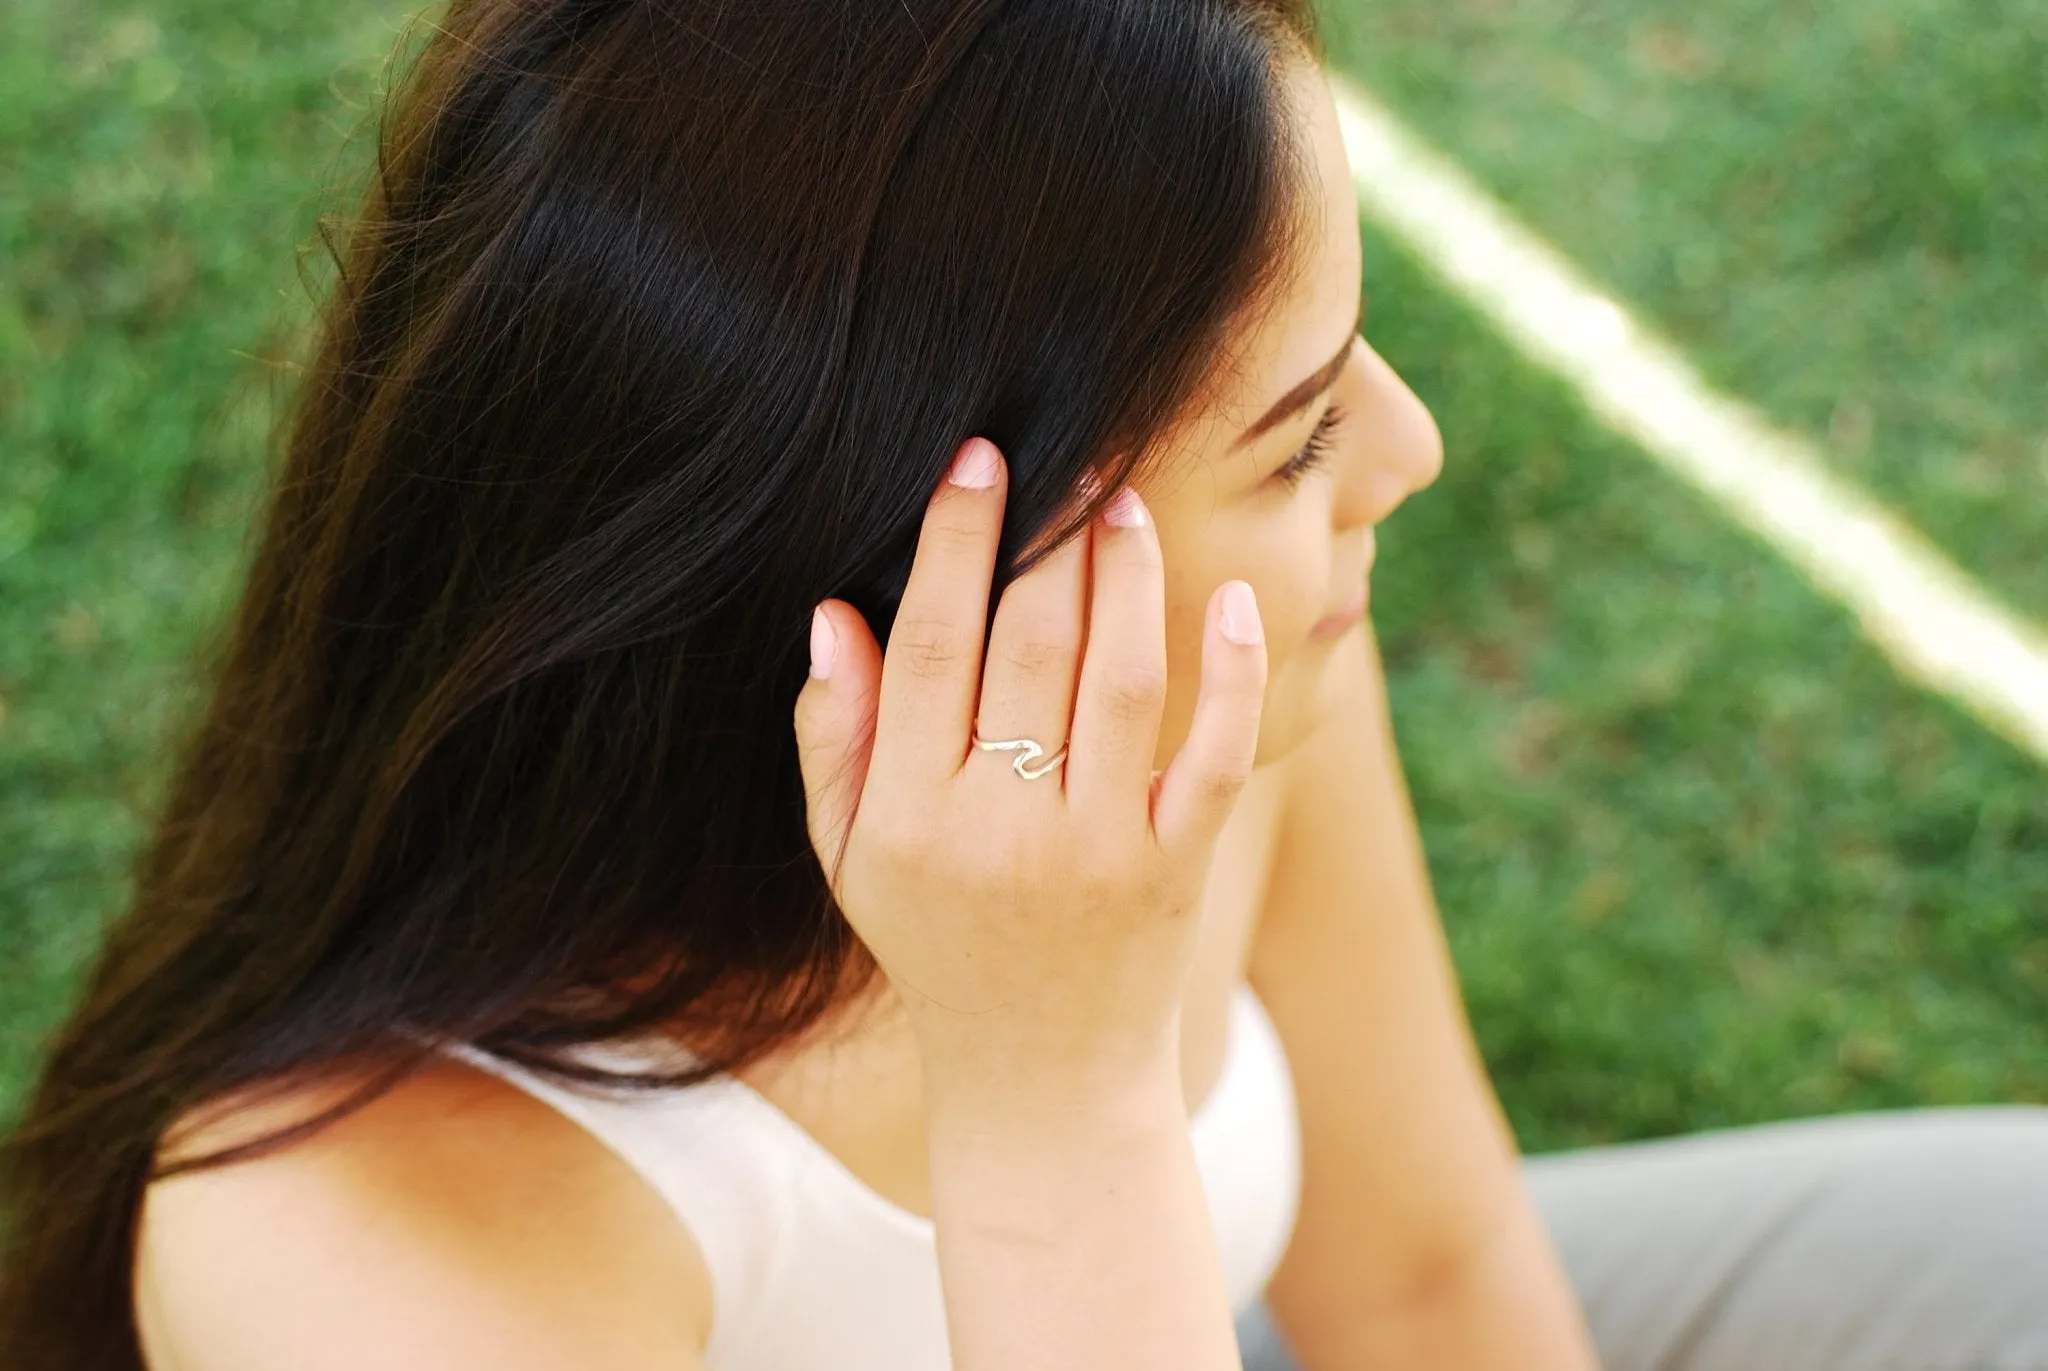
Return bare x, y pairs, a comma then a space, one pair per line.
1505, 1305
1417, 1243
1079, 1237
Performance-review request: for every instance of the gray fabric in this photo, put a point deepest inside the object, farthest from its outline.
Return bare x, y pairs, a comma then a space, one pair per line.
1906, 1241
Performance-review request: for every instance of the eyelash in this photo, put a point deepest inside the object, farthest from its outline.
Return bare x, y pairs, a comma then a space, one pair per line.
1311, 453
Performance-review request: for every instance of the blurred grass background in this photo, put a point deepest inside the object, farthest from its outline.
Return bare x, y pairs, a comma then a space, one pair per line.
1703, 859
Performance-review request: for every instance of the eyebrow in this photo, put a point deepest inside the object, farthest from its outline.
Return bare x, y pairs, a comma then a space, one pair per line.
1294, 400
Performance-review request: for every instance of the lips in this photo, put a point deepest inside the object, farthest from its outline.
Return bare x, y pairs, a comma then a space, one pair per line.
1337, 619
1349, 611
1332, 624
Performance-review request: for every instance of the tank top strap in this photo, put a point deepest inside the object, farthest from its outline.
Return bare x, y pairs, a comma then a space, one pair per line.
810, 1267
707, 1151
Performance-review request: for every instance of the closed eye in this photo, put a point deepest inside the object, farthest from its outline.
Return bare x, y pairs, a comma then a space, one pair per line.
1311, 453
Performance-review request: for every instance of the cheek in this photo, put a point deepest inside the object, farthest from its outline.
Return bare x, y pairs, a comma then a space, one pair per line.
1288, 568
1293, 587
1286, 559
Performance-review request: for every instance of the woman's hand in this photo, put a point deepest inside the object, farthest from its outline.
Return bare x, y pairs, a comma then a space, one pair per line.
1037, 931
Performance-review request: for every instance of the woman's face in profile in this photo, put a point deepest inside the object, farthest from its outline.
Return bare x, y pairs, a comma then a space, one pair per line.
1223, 500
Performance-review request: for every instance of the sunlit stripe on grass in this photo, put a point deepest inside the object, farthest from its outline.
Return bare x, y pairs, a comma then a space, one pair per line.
1937, 625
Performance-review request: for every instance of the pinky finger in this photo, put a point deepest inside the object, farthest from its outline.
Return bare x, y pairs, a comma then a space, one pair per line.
1194, 797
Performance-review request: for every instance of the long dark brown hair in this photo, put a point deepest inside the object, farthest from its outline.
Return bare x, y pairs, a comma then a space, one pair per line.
658, 325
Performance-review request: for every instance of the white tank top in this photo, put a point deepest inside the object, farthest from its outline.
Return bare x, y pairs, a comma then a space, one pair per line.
811, 1268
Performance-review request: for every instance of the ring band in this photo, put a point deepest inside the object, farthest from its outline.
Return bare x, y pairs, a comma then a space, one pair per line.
1027, 750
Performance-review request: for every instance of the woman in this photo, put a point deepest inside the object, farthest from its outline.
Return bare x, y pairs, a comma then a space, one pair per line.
537, 964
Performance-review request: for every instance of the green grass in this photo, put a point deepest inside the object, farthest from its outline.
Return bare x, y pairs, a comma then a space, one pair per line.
159, 168
1838, 209
1710, 863
1703, 858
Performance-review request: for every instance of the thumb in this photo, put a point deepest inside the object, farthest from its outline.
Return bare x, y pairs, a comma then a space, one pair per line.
835, 725
1202, 783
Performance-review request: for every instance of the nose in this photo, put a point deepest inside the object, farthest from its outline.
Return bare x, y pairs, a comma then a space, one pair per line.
1399, 447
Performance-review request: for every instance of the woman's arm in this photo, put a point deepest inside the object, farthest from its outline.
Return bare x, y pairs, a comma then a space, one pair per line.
1416, 1245
1039, 943
1073, 1230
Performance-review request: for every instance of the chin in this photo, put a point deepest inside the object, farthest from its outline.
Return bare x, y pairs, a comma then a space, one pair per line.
1314, 684
1289, 715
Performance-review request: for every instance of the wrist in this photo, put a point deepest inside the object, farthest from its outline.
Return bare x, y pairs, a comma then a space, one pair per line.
1039, 1087
1028, 1165
1046, 1101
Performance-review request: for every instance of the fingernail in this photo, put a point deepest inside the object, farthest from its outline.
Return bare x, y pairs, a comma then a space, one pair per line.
1126, 510
824, 644
974, 465
1240, 614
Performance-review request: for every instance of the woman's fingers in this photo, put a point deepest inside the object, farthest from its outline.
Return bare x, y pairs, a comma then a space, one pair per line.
903, 718
1012, 917
1206, 776
1034, 653
931, 670
835, 716
1122, 689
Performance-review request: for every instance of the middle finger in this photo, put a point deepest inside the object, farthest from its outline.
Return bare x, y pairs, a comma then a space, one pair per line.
1034, 657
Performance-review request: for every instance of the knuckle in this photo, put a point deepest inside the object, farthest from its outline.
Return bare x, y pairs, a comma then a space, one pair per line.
1221, 784
928, 647
1132, 693
821, 735
1141, 555
953, 539
1038, 654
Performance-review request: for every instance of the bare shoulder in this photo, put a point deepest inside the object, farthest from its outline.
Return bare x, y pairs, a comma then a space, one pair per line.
455, 1223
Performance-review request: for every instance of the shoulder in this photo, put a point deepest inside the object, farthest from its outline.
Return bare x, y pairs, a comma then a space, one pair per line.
454, 1223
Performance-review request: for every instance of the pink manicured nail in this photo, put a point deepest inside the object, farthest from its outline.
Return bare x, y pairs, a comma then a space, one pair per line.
1126, 510
974, 465
824, 644
1241, 614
